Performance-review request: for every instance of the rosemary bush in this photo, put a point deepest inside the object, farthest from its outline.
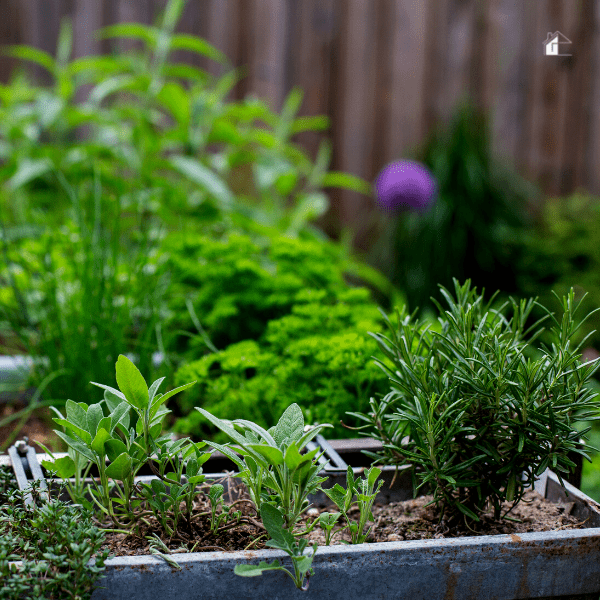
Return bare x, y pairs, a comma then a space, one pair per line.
475, 407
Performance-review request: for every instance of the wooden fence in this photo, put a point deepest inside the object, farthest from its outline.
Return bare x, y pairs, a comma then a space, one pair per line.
386, 71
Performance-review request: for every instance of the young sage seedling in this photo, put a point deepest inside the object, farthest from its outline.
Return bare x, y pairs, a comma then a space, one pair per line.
271, 464
118, 451
282, 539
327, 521
365, 491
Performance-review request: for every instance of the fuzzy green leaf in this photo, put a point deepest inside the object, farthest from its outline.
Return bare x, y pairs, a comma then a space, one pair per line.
132, 383
120, 468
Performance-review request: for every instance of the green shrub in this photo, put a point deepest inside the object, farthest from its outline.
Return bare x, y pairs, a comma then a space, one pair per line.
318, 356
563, 251
476, 418
238, 283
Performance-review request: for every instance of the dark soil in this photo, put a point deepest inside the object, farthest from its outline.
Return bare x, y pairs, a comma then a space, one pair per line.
408, 520
37, 427
246, 532
412, 520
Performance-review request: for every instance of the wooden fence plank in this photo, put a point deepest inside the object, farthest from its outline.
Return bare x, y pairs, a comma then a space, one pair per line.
310, 65
577, 103
88, 17
11, 32
132, 11
386, 71
507, 47
266, 72
229, 29
592, 148
457, 55
354, 117
435, 64
407, 63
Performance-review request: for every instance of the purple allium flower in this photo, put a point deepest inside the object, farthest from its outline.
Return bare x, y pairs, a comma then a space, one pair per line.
405, 184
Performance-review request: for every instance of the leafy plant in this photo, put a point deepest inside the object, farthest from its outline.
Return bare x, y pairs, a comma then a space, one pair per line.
271, 464
316, 356
365, 491
73, 469
58, 546
236, 282
122, 148
97, 438
327, 521
475, 407
282, 539
74, 295
562, 250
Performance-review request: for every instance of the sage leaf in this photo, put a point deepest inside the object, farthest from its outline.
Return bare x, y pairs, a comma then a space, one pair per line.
132, 383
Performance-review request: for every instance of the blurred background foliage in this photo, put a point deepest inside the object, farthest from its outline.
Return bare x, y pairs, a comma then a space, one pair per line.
143, 211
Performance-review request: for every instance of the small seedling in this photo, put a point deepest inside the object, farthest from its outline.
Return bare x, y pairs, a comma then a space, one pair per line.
282, 539
327, 521
365, 492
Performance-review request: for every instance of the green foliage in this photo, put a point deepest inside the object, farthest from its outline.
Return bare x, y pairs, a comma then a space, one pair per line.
236, 283
77, 294
483, 412
160, 133
365, 491
271, 464
563, 251
327, 521
59, 547
112, 153
318, 356
118, 451
468, 232
282, 539
7, 483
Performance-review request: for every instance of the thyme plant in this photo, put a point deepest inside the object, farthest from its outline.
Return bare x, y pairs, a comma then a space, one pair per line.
48, 550
475, 407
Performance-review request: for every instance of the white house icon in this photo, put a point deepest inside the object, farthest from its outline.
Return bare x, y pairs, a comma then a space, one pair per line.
551, 44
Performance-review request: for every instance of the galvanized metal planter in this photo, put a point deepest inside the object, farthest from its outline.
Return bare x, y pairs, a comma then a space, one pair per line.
556, 564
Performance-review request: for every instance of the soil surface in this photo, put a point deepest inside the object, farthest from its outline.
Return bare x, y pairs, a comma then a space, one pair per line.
396, 521
36, 427
413, 520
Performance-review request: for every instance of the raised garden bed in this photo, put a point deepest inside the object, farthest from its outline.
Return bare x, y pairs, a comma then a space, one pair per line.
551, 564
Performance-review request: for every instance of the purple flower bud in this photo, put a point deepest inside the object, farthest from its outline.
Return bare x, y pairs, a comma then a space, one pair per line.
405, 184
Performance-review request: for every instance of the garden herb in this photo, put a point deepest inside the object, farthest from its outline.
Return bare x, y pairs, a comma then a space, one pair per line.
475, 407
282, 539
271, 465
58, 547
365, 491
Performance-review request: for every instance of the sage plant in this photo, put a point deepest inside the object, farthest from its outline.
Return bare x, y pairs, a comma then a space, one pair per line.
271, 464
365, 491
476, 407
